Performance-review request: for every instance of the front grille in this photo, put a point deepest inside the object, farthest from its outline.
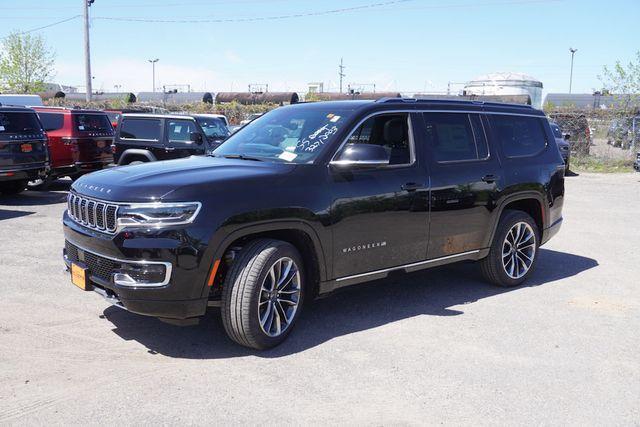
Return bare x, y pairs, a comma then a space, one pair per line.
92, 213
98, 266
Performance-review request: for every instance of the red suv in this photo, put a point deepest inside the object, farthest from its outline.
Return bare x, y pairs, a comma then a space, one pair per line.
79, 142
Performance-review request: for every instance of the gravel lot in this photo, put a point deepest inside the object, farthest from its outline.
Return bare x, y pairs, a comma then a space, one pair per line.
436, 347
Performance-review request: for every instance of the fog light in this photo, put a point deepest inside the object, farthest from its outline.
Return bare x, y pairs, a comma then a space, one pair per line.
133, 275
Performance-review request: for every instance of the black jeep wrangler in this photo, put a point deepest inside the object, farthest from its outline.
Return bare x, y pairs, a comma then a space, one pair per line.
313, 197
24, 155
144, 138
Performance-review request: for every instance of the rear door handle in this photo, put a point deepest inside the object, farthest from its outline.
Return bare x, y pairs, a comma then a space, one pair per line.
489, 178
411, 186
169, 149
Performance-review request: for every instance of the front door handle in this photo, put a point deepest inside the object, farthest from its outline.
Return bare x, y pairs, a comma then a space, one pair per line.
169, 149
489, 179
411, 186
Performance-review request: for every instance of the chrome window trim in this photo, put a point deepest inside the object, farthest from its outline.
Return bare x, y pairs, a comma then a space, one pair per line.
167, 274
400, 267
426, 110
412, 143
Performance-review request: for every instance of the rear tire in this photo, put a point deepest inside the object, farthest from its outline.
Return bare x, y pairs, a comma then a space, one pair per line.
514, 250
13, 187
263, 294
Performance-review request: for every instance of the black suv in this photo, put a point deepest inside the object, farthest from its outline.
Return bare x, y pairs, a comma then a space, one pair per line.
150, 137
313, 197
23, 149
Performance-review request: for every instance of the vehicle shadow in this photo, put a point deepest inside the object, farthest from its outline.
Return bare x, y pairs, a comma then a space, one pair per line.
9, 214
57, 193
432, 292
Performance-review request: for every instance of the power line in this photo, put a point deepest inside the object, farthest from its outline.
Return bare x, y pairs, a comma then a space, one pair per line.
71, 18
257, 18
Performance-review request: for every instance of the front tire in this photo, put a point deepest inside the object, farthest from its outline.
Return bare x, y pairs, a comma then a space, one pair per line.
514, 250
263, 294
13, 187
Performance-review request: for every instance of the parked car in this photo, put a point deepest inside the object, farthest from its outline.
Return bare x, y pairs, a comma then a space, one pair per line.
563, 145
79, 142
215, 116
23, 148
624, 132
313, 197
20, 100
144, 138
636, 163
214, 127
575, 129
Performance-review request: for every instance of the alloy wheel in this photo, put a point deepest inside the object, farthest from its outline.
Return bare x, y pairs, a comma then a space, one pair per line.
518, 250
279, 297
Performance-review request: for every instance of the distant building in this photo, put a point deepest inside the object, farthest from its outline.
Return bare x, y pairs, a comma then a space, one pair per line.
506, 84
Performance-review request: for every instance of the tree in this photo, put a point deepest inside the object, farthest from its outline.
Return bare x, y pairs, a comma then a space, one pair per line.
26, 62
623, 81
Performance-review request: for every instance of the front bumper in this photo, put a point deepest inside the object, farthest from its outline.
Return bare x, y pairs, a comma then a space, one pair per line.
177, 292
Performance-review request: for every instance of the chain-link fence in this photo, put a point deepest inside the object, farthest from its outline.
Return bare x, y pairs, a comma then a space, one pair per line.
606, 134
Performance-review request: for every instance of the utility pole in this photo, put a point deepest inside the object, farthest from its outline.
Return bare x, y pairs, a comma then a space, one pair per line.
87, 51
341, 73
573, 52
153, 71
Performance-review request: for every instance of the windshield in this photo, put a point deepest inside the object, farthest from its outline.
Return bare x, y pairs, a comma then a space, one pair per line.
213, 127
289, 134
19, 123
93, 122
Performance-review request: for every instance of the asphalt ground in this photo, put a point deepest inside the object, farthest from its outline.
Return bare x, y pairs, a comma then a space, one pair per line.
434, 347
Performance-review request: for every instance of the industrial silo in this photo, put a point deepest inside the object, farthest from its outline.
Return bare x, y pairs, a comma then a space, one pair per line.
499, 84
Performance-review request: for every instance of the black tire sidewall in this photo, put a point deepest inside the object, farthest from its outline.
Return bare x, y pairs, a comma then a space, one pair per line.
250, 333
283, 250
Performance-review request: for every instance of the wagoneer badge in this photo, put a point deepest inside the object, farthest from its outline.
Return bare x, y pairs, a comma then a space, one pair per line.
364, 246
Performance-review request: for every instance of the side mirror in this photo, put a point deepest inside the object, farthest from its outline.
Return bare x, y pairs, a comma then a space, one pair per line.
196, 137
566, 136
361, 156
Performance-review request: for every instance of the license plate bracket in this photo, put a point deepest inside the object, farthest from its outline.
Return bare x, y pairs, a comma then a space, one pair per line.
80, 276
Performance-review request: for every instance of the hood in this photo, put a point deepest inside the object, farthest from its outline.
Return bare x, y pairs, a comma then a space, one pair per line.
160, 180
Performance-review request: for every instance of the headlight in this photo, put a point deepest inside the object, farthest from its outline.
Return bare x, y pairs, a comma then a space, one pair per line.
157, 214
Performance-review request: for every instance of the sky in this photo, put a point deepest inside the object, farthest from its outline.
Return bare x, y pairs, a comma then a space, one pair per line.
403, 45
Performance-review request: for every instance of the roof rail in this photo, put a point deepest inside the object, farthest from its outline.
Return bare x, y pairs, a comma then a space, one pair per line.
396, 99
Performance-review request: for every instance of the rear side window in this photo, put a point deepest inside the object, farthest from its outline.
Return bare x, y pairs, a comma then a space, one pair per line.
455, 137
92, 122
19, 123
180, 130
51, 121
520, 136
141, 129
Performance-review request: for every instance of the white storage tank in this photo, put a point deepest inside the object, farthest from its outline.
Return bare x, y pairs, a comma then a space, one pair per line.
506, 84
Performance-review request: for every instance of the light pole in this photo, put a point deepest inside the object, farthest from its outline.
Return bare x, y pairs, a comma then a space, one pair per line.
153, 68
87, 50
573, 52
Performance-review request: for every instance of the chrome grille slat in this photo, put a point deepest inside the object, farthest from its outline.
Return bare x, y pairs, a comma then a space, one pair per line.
92, 213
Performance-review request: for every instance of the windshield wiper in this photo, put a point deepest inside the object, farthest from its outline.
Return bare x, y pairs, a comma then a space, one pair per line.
242, 157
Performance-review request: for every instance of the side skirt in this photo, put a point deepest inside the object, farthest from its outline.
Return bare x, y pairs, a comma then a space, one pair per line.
341, 282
